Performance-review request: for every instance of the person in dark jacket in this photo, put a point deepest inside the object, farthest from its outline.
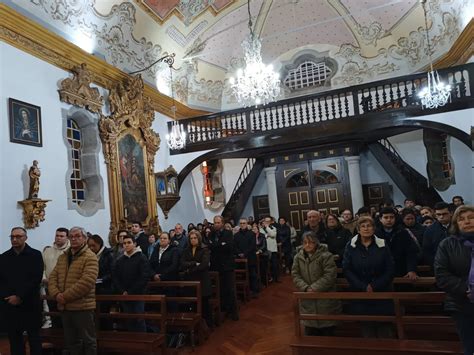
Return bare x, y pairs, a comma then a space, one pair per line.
316, 225
106, 264
165, 260
262, 252
436, 232
221, 245
368, 267
152, 244
284, 237
195, 265
402, 247
336, 237
141, 239
130, 277
179, 239
246, 247
21, 272
454, 272
414, 228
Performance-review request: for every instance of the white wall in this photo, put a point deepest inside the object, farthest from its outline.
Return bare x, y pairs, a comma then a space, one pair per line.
462, 119
412, 150
26, 78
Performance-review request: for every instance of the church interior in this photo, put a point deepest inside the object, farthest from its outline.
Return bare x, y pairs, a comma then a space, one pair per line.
123, 112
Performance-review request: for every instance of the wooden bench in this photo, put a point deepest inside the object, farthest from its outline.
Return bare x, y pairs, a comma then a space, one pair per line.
187, 319
421, 270
118, 340
242, 283
402, 321
421, 282
215, 299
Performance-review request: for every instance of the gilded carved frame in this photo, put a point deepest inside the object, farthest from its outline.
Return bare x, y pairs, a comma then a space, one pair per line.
131, 114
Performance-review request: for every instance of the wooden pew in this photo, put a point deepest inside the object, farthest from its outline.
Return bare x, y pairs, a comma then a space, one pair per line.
354, 345
421, 270
118, 340
421, 282
242, 283
215, 299
188, 320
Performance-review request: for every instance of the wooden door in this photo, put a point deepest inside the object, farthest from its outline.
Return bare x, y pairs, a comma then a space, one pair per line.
375, 194
261, 208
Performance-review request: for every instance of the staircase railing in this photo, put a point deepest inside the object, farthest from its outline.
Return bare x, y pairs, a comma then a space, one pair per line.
243, 174
344, 103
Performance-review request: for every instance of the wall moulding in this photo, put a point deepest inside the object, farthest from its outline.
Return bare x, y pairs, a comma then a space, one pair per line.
30, 37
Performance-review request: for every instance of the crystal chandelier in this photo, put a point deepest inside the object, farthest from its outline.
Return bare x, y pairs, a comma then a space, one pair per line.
176, 139
436, 93
257, 83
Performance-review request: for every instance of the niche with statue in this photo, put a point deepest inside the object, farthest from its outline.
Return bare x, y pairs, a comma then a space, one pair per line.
167, 189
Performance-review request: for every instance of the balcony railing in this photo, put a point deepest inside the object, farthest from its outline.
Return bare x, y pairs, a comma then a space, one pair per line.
353, 102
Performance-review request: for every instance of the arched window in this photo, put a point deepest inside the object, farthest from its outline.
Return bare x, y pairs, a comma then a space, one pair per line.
324, 177
308, 74
74, 138
298, 180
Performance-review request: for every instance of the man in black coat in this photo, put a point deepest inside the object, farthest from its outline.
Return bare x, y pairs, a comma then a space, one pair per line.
221, 244
246, 247
21, 272
141, 239
284, 237
437, 232
404, 250
316, 225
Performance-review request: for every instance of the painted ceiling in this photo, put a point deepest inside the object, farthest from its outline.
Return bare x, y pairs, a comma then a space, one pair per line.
368, 39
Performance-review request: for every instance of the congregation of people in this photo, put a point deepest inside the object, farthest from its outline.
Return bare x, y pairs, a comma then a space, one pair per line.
372, 248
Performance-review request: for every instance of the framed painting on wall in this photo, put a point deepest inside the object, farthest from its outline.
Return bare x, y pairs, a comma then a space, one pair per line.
25, 123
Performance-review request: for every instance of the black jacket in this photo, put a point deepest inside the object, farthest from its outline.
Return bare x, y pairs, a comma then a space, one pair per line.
131, 274
142, 241
193, 271
451, 267
418, 231
433, 235
245, 243
106, 265
363, 266
320, 234
21, 275
337, 240
168, 266
403, 249
284, 237
221, 245
261, 244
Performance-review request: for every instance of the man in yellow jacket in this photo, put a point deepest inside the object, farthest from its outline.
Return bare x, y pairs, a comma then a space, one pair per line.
72, 284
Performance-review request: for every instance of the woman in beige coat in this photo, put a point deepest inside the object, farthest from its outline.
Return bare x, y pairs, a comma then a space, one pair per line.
314, 270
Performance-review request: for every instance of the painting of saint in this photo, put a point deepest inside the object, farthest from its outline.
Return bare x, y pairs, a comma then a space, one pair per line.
25, 123
133, 178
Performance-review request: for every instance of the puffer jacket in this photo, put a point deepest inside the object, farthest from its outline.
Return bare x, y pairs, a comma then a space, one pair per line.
74, 276
451, 267
319, 272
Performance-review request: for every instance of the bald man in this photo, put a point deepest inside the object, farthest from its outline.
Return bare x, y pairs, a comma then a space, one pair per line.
315, 225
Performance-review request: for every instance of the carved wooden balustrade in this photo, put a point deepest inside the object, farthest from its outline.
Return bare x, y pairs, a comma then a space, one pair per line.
399, 93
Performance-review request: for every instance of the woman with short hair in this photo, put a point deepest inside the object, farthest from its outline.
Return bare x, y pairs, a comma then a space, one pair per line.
314, 270
454, 272
336, 237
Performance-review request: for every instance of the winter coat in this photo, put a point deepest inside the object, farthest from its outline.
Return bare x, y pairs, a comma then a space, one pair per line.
320, 234
131, 273
284, 237
451, 267
168, 266
193, 271
75, 276
245, 243
221, 245
433, 235
337, 240
142, 241
180, 241
261, 244
369, 266
271, 234
317, 271
106, 265
403, 248
20, 275
50, 257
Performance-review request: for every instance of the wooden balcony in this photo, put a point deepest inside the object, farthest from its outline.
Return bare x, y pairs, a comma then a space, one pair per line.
357, 112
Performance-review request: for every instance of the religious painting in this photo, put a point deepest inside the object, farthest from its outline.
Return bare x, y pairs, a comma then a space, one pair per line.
133, 178
25, 123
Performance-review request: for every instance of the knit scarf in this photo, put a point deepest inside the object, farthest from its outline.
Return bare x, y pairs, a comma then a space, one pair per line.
469, 242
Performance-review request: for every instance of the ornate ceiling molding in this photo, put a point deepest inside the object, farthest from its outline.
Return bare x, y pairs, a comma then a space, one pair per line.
461, 51
28, 36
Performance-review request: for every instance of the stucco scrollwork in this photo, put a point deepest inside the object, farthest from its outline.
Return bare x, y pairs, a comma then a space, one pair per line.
77, 91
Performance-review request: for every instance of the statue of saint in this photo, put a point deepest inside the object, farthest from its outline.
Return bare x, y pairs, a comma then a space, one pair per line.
34, 174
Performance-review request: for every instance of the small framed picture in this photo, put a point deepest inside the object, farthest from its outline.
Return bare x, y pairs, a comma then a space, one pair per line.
25, 123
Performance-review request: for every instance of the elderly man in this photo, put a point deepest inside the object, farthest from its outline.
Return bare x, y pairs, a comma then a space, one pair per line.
72, 284
179, 239
315, 225
21, 269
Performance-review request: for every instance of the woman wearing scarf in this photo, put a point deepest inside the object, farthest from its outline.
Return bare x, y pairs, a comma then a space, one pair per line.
454, 272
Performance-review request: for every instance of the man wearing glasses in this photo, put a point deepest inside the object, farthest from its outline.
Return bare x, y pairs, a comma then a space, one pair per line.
435, 233
72, 284
21, 271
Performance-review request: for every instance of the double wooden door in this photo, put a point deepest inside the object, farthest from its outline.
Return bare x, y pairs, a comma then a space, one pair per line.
320, 185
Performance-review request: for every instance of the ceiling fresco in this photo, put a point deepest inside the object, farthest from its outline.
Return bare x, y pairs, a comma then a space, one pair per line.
367, 39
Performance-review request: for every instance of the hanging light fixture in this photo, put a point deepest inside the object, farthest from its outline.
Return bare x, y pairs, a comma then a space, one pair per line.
257, 83
436, 93
176, 139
